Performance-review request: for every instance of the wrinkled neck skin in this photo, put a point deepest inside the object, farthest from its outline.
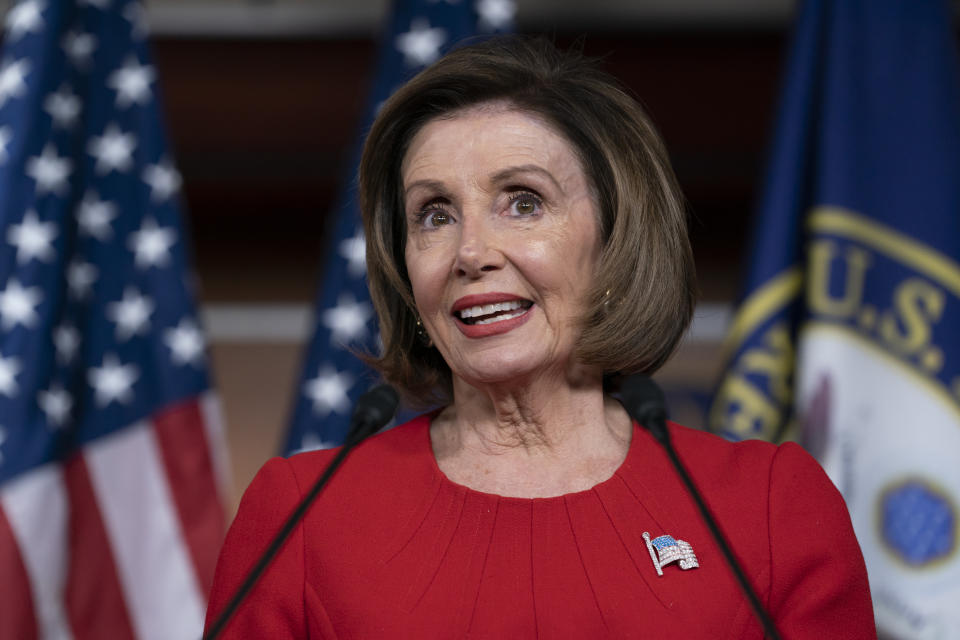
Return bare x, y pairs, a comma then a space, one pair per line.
548, 435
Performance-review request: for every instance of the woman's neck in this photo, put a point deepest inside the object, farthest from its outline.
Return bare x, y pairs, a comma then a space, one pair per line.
540, 439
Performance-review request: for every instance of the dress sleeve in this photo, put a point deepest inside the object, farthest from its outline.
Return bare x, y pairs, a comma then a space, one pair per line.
819, 585
274, 608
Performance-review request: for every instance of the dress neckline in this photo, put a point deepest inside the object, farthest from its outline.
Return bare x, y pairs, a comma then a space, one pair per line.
427, 444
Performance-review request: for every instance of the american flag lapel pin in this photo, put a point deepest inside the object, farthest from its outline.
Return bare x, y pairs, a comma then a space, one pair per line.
665, 549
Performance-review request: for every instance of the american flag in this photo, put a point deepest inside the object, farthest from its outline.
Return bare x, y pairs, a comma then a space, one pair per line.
666, 549
418, 33
111, 466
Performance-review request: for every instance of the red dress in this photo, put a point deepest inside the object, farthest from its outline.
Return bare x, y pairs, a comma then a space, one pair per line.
394, 549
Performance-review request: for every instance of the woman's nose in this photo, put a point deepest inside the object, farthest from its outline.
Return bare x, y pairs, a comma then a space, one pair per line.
478, 251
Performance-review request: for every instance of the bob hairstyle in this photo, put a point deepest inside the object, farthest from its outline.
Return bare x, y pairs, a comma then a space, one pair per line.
643, 293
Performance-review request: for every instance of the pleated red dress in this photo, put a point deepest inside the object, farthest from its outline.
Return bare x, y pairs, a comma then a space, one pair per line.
394, 549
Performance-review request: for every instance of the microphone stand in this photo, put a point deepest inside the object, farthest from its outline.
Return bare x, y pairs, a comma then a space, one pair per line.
650, 412
769, 628
362, 425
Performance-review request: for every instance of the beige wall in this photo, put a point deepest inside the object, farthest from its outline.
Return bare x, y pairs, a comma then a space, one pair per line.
255, 382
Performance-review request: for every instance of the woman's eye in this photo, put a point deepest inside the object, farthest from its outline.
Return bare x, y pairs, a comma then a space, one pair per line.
433, 216
525, 204
437, 219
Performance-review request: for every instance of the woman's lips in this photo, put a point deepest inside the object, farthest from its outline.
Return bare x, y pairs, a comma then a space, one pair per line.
494, 327
480, 299
487, 314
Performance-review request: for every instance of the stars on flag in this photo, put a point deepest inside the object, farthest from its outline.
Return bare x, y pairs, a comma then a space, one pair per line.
163, 180
328, 391
12, 79
63, 106
496, 15
136, 15
131, 314
50, 171
354, 251
32, 238
113, 151
312, 442
151, 244
80, 278
421, 44
185, 342
66, 342
79, 47
25, 17
95, 215
18, 305
106, 169
347, 321
56, 402
112, 381
5, 137
99, 4
132, 83
9, 368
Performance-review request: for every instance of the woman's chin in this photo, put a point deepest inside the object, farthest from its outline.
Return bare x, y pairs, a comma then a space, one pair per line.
512, 369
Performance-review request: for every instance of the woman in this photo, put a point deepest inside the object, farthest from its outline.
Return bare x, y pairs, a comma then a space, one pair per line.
526, 238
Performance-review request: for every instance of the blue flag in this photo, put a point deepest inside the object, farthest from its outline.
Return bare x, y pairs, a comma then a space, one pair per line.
419, 32
110, 507
849, 336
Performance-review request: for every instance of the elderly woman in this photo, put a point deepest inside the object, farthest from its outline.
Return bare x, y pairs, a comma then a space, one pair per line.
526, 239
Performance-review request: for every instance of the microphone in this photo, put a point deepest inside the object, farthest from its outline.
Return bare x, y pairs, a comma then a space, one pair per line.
644, 401
374, 409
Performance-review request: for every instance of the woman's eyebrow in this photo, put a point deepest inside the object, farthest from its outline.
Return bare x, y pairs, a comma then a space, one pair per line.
511, 173
430, 185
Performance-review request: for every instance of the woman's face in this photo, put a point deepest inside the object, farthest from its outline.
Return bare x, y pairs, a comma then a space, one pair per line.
502, 242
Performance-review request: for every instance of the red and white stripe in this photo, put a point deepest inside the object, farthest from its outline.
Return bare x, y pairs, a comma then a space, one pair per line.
120, 540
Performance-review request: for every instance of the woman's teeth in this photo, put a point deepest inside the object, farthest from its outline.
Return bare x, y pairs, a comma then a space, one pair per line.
506, 316
499, 310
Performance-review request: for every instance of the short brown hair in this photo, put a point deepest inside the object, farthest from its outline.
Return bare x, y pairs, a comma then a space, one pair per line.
644, 290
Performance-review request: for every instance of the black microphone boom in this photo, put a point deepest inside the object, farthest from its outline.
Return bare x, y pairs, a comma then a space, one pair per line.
374, 409
644, 401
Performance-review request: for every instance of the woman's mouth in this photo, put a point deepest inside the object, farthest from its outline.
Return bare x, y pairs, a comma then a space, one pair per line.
491, 313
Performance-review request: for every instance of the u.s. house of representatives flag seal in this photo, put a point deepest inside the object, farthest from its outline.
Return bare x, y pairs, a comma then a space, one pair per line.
849, 336
877, 387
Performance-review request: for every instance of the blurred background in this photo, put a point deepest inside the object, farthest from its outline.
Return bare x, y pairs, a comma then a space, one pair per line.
263, 101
